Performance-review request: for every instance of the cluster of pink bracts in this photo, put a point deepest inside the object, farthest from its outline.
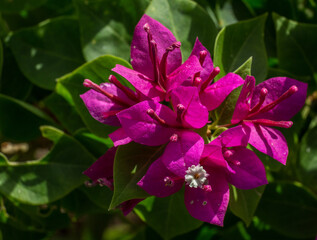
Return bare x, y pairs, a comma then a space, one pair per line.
171, 101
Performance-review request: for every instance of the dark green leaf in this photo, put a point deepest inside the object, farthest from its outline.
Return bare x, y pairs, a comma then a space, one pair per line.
301, 39
236, 43
130, 165
81, 202
106, 26
20, 121
65, 112
289, 209
8, 232
100, 196
13, 83
167, 216
47, 51
71, 86
96, 145
19, 5
34, 218
308, 159
187, 20
243, 203
1, 59
47, 179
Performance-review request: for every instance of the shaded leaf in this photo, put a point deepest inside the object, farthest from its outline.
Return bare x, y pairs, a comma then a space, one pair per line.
236, 43
96, 145
47, 51
50, 178
243, 203
82, 203
12, 82
100, 196
308, 159
20, 121
187, 20
34, 218
107, 26
289, 209
64, 111
301, 38
167, 216
130, 165
19, 5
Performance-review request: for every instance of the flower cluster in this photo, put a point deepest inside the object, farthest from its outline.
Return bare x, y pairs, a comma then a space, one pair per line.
171, 104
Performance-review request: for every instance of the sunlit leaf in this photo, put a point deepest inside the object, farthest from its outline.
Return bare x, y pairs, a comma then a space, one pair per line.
50, 178
236, 43
47, 51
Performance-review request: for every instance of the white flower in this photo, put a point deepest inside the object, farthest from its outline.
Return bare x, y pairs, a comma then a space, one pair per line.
196, 176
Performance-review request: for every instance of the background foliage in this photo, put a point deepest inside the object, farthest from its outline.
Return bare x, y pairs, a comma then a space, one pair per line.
48, 138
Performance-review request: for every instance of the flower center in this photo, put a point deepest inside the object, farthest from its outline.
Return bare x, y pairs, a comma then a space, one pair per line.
196, 176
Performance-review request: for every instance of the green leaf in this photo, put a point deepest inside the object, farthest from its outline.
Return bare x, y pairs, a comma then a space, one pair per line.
71, 87
20, 121
86, 200
224, 112
236, 43
130, 165
243, 203
64, 111
100, 196
34, 218
187, 20
167, 216
245, 69
289, 209
308, 159
96, 145
19, 5
9, 232
47, 51
301, 39
12, 82
50, 178
1, 59
105, 26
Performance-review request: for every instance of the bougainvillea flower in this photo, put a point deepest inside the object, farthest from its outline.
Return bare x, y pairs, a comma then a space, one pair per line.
203, 187
212, 95
162, 182
104, 101
101, 173
157, 61
207, 176
240, 165
151, 123
270, 104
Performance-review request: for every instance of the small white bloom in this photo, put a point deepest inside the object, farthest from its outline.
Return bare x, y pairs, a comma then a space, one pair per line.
196, 176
